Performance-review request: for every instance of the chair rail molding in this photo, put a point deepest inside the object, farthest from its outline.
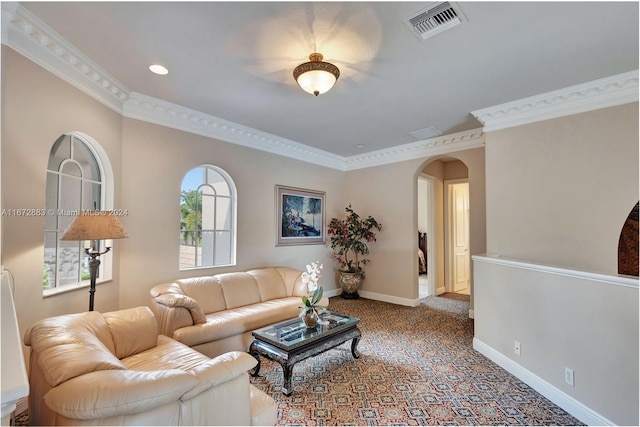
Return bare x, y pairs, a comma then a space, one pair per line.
617, 280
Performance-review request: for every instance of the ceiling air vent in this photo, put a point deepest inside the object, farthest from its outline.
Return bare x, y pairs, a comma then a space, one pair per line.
435, 19
426, 133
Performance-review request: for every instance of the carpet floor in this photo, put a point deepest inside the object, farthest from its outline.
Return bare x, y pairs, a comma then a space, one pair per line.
416, 367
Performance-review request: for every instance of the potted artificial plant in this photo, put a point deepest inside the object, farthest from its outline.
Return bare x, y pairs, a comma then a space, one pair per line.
349, 241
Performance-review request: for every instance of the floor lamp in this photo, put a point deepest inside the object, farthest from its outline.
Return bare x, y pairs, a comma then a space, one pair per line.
94, 226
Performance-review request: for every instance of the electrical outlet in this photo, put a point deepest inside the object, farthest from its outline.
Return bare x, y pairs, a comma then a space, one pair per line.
516, 348
569, 377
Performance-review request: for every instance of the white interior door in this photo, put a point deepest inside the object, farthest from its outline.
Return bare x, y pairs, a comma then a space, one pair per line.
459, 238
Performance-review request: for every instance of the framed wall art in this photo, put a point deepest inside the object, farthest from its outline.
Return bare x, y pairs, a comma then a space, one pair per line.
300, 216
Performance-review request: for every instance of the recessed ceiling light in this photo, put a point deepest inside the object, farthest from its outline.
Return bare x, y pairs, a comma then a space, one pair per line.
158, 69
359, 145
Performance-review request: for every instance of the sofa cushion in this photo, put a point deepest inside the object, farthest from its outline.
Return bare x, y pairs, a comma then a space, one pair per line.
106, 394
238, 321
168, 354
293, 281
270, 283
239, 289
219, 370
133, 330
206, 291
69, 346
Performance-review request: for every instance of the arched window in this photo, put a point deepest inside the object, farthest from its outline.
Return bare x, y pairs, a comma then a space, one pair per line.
207, 218
77, 175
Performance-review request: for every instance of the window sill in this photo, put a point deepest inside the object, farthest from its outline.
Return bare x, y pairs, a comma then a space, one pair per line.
71, 287
204, 267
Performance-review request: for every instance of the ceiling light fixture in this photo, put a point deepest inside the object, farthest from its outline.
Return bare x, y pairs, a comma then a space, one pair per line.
316, 76
158, 69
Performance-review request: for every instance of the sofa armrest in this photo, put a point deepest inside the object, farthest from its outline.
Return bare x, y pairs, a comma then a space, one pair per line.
103, 394
176, 300
220, 370
173, 309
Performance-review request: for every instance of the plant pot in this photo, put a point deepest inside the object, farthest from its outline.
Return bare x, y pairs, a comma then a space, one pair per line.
310, 318
349, 282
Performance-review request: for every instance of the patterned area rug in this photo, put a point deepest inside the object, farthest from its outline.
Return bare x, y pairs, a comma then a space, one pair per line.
417, 367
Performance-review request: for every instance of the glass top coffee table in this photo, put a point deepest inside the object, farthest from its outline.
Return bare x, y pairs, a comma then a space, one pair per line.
291, 341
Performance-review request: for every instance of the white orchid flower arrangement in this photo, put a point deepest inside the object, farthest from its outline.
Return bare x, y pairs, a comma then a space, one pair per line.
310, 279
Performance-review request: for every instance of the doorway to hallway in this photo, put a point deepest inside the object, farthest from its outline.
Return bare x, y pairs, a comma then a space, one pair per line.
434, 209
457, 236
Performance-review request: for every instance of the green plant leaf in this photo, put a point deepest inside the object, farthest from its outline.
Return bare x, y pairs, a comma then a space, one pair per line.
317, 295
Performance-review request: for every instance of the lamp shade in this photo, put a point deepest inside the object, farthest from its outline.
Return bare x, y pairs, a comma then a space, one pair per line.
95, 225
316, 76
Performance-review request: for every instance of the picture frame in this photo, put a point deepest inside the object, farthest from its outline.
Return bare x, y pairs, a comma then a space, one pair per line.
300, 216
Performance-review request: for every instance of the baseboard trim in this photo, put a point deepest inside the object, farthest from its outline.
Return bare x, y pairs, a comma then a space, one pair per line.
560, 398
389, 298
332, 293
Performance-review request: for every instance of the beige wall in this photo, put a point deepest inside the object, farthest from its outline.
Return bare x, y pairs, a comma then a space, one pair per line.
149, 162
558, 193
538, 177
589, 325
561, 189
37, 108
389, 194
155, 160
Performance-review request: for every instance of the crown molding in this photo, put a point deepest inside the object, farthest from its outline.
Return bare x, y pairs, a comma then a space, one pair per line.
153, 110
157, 111
32, 38
602, 93
417, 150
35, 40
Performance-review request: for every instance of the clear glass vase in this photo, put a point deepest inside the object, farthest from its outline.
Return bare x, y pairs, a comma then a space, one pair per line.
310, 318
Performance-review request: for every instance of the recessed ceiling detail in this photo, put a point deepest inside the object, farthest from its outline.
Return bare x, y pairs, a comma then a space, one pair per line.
435, 19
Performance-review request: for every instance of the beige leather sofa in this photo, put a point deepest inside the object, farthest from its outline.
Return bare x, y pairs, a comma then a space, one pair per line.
115, 369
216, 314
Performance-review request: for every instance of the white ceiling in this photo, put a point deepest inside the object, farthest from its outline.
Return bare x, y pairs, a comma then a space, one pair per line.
234, 60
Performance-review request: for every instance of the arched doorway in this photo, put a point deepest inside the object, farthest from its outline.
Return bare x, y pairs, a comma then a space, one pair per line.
437, 221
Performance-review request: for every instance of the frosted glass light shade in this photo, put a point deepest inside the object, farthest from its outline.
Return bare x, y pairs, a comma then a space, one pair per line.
316, 76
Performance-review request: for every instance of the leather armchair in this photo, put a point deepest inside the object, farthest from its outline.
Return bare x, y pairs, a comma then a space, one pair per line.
115, 369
